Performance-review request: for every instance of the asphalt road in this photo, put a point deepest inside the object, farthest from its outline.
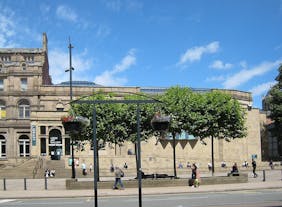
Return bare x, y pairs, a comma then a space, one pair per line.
250, 198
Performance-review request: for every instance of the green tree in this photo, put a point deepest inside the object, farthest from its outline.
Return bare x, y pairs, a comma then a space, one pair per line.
116, 123
205, 115
274, 102
217, 115
176, 101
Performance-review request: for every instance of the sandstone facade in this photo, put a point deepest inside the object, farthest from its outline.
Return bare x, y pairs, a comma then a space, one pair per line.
30, 126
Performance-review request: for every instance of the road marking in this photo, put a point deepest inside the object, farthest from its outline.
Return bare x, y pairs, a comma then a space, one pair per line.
6, 200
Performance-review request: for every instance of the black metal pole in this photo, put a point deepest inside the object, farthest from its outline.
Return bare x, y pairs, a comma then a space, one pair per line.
263, 173
72, 141
95, 158
139, 157
174, 156
25, 184
4, 184
45, 183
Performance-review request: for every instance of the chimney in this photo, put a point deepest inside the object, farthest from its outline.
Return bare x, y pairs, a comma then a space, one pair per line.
45, 42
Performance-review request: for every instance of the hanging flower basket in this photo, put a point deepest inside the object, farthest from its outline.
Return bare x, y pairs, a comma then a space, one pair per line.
72, 127
74, 124
160, 123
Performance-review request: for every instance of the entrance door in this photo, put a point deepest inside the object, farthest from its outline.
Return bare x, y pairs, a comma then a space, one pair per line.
55, 144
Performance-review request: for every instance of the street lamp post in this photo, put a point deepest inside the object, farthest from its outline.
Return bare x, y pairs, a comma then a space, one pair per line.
72, 141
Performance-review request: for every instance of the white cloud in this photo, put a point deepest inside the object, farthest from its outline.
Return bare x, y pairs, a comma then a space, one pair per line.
59, 62
216, 78
127, 5
7, 27
66, 13
114, 5
103, 31
110, 77
245, 74
218, 64
196, 53
262, 88
134, 5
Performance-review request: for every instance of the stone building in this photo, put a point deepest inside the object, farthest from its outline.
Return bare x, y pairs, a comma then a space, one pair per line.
30, 126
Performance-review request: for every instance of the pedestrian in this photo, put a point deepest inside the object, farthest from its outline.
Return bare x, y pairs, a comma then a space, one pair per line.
271, 165
254, 165
245, 164
180, 165
125, 165
209, 166
234, 170
195, 175
223, 164
90, 167
188, 165
112, 168
84, 171
118, 175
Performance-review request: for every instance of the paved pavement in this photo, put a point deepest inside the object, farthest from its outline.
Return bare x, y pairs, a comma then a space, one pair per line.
56, 187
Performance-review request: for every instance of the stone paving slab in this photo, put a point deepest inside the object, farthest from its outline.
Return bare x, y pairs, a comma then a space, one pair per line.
57, 189
17, 194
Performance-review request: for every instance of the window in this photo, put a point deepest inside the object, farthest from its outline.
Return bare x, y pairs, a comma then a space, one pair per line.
24, 145
6, 58
29, 59
42, 129
2, 110
43, 146
60, 106
2, 146
24, 109
23, 66
1, 68
23, 84
1, 85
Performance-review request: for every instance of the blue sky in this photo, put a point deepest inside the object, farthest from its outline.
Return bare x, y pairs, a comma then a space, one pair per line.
154, 43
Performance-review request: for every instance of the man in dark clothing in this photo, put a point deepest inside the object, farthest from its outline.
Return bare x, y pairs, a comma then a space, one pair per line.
254, 164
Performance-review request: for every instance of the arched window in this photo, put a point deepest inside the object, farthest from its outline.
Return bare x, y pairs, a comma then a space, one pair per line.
24, 66
60, 106
2, 146
2, 110
24, 109
24, 146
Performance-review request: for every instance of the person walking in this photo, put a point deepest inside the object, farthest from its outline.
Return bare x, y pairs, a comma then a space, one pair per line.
271, 165
254, 165
195, 175
83, 167
90, 168
118, 175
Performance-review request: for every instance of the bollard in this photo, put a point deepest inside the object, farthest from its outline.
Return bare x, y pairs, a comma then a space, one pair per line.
46, 183
263, 174
24, 183
4, 184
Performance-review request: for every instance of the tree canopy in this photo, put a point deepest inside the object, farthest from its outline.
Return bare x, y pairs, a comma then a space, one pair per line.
274, 102
116, 123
